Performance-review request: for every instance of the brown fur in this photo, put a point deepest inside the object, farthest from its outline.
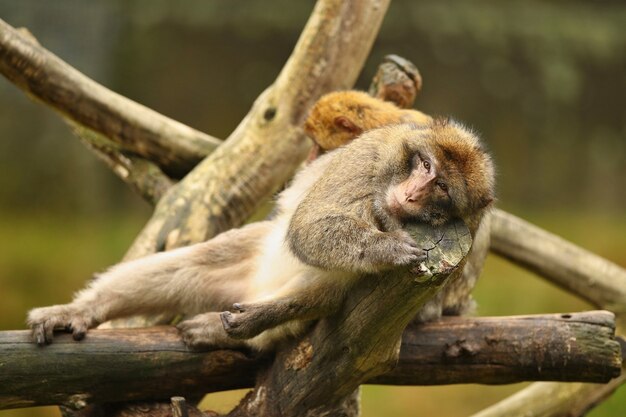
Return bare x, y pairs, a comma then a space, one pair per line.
361, 112
339, 117
332, 225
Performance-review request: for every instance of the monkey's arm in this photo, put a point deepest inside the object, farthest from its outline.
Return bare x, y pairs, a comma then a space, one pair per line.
198, 278
343, 242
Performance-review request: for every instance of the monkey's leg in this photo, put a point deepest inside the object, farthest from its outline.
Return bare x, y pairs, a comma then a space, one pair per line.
203, 277
301, 303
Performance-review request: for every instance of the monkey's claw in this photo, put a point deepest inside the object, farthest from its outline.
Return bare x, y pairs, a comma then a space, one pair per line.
243, 325
227, 319
234, 326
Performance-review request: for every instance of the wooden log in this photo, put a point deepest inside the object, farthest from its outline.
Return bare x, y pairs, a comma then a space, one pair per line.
143, 176
154, 364
176, 148
577, 270
504, 350
552, 399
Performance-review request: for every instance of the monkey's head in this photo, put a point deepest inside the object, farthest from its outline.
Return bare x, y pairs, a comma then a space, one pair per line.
339, 117
436, 172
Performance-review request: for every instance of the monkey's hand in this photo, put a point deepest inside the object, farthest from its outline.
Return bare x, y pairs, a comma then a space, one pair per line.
396, 248
205, 331
45, 320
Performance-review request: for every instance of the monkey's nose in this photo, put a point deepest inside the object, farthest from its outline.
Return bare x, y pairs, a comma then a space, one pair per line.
412, 196
413, 193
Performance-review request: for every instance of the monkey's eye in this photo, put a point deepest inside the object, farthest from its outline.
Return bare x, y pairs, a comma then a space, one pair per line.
443, 186
426, 165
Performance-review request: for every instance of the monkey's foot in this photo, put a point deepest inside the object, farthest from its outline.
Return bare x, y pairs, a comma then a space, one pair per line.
45, 320
250, 321
205, 331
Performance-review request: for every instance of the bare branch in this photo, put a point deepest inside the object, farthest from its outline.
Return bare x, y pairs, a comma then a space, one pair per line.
153, 363
397, 80
553, 399
587, 275
176, 148
143, 176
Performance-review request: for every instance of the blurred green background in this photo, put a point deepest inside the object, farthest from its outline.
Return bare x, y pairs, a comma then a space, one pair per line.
543, 81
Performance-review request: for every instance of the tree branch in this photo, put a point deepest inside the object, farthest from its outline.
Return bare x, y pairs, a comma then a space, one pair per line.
577, 270
398, 81
550, 399
176, 148
229, 185
553, 399
154, 364
143, 177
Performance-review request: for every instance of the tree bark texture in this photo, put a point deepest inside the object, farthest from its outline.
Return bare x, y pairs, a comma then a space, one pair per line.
154, 364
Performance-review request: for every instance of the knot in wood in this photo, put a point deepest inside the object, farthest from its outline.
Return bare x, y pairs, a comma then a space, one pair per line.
300, 357
460, 349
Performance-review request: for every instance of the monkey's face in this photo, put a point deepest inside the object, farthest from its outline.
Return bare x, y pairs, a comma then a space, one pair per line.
441, 173
423, 194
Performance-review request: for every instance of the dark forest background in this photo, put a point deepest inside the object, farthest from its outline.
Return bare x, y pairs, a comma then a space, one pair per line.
544, 82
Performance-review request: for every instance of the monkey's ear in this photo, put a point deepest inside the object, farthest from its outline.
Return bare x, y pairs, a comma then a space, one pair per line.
344, 123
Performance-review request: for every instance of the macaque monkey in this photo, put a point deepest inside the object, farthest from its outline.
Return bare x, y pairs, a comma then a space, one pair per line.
342, 217
341, 116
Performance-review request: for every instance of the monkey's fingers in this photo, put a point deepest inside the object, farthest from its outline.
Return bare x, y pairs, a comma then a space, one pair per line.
192, 333
79, 329
410, 255
233, 325
45, 321
228, 321
39, 334
43, 332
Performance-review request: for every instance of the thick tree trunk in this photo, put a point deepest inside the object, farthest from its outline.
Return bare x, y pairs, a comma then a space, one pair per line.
362, 340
